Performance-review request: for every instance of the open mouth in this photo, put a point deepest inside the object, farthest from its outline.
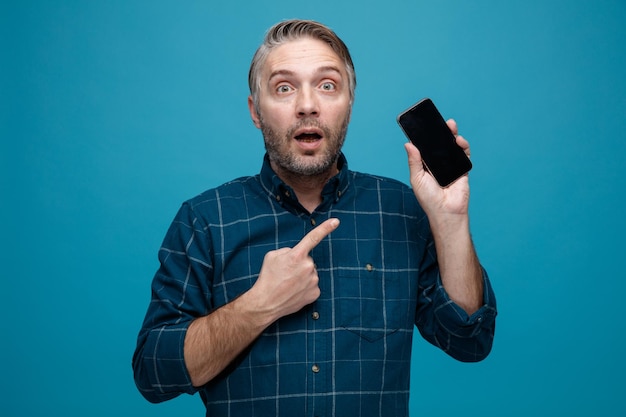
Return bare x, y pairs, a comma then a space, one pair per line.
308, 135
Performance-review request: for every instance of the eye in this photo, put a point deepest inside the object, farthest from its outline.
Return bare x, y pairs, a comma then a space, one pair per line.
283, 88
328, 86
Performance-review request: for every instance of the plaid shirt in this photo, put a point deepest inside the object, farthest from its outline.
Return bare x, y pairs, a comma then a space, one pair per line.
349, 352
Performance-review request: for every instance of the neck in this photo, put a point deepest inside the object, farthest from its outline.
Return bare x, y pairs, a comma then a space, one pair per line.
308, 188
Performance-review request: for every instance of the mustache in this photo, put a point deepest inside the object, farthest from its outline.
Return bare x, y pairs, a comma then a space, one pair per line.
308, 122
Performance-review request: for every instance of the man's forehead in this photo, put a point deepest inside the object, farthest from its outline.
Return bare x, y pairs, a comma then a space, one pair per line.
304, 52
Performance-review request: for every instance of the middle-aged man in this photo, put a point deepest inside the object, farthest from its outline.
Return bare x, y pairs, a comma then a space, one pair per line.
295, 292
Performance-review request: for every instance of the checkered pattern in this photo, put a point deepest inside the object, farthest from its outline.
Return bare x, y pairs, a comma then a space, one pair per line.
347, 354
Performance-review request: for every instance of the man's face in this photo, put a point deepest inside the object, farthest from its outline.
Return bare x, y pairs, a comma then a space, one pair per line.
304, 107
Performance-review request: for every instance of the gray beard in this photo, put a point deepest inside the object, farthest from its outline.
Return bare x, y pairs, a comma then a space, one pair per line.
298, 165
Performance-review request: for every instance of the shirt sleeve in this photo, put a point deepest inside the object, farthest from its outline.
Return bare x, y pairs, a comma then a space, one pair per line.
180, 293
443, 323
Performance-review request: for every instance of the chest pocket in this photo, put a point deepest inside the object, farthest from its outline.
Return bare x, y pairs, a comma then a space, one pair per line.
374, 303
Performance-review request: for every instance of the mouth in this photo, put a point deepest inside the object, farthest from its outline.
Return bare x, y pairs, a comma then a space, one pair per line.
308, 135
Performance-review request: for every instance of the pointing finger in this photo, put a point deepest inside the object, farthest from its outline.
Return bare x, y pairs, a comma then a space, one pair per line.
315, 236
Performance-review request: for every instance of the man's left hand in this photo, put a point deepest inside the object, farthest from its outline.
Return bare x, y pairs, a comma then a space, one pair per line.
435, 200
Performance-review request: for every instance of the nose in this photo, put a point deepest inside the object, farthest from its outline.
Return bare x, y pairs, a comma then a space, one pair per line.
307, 104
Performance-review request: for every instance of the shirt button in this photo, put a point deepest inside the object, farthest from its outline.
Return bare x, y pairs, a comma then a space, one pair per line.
315, 368
313, 222
315, 315
369, 267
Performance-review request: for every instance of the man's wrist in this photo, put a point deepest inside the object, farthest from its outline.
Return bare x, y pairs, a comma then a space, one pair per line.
449, 225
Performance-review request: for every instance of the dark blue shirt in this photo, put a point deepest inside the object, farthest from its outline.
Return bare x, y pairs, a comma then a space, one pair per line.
348, 353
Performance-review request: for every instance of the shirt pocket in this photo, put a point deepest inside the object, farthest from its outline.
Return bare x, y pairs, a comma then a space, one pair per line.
374, 303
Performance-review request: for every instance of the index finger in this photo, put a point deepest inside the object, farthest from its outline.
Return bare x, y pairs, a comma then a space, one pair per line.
315, 236
452, 126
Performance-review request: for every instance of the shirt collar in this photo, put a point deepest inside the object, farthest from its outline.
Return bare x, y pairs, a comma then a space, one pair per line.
334, 189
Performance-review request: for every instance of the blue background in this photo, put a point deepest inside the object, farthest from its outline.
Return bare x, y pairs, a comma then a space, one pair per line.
112, 113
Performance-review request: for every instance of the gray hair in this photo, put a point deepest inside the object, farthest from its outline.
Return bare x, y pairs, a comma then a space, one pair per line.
290, 30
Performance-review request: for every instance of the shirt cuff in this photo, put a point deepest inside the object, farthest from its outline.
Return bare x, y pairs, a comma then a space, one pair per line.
455, 319
164, 363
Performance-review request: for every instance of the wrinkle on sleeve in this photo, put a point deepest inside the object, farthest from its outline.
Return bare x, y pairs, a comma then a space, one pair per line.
180, 294
443, 323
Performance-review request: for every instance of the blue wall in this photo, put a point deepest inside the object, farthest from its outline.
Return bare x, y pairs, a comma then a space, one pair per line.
112, 113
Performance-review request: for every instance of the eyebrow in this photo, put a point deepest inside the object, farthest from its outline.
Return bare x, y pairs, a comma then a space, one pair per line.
289, 73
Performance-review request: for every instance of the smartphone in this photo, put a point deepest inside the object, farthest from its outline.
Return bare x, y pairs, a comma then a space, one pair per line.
427, 130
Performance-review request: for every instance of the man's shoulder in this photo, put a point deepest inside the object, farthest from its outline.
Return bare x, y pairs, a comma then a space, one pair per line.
390, 193
362, 179
235, 189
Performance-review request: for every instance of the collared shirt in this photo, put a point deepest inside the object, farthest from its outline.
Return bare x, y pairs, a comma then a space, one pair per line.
349, 352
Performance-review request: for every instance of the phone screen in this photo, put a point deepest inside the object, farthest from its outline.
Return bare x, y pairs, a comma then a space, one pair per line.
428, 131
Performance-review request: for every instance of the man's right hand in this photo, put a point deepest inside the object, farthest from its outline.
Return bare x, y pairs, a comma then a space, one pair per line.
288, 280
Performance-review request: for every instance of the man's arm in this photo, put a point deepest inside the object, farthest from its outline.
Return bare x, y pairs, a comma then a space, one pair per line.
460, 270
447, 211
287, 282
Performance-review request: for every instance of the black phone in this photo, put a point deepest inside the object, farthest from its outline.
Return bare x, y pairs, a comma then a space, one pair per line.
427, 130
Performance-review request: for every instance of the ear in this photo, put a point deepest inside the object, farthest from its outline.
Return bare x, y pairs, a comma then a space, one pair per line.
253, 113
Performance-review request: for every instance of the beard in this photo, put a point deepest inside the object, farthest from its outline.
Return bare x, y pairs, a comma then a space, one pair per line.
277, 149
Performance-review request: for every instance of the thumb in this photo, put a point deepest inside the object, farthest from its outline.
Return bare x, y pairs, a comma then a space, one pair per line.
416, 166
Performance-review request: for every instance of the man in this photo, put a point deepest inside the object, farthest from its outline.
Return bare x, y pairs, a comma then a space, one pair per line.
294, 292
